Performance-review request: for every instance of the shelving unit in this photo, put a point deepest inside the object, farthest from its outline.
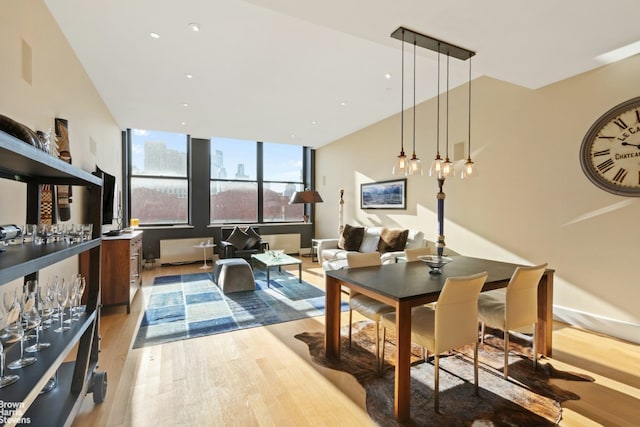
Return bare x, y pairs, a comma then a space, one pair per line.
24, 163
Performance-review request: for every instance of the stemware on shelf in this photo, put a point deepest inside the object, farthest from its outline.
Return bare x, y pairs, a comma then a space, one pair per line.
5, 380
31, 316
62, 298
73, 296
45, 306
81, 287
14, 328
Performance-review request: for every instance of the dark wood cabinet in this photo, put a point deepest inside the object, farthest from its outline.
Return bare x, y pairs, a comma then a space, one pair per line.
77, 376
121, 268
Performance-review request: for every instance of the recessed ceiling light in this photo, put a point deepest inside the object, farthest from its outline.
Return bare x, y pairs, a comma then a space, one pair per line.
194, 26
185, 104
183, 123
188, 75
313, 122
154, 35
343, 104
387, 76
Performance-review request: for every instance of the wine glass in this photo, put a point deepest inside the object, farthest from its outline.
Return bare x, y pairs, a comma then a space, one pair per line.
31, 316
62, 298
73, 295
81, 287
14, 328
45, 306
52, 290
5, 380
8, 298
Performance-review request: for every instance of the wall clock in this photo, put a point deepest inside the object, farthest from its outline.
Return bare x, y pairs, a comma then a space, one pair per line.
610, 151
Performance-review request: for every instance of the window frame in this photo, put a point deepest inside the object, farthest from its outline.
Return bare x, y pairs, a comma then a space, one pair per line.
131, 176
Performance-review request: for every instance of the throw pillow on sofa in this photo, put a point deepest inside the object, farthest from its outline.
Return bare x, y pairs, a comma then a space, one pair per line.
351, 238
252, 238
238, 238
392, 239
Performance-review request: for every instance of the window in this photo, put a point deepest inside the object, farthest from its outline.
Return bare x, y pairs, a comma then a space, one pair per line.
282, 176
159, 179
250, 182
253, 181
234, 184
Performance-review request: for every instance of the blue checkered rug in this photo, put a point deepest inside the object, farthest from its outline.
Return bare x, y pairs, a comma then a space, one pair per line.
191, 305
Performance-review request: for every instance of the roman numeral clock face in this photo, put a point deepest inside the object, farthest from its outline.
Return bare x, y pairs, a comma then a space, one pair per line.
610, 151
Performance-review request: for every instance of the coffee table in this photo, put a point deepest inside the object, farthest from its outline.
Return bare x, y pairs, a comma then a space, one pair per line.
283, 259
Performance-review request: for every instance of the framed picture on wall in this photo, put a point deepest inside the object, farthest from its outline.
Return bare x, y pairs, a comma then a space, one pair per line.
384, 195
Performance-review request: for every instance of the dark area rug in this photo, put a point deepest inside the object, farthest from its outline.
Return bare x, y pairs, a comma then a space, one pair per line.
191, 305
526, 399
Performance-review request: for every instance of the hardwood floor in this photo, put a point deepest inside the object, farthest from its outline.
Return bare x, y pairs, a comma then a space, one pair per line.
264, 376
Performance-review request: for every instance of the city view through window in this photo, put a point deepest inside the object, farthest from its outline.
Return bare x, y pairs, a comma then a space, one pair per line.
239, 171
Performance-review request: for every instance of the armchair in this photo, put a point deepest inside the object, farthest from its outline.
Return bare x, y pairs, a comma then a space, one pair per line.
238, 242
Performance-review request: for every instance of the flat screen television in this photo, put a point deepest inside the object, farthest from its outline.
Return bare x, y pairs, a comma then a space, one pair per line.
108, 196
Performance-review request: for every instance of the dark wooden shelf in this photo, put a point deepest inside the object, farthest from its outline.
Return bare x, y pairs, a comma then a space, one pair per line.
23, 162
20, 260
34, 377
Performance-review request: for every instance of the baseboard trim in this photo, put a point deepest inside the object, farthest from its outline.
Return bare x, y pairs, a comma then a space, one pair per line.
604, 325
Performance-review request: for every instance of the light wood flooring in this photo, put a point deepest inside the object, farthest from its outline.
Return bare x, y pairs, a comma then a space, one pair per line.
264, 376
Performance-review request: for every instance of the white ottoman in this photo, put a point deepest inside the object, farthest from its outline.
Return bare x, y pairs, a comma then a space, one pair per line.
233, 275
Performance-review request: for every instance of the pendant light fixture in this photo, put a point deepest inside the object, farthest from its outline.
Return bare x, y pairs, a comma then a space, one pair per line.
439, 168
469, 168
415, 168
447, 166
436, 165
400, 166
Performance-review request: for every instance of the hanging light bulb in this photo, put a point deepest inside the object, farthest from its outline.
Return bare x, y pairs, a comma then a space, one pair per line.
400, 166
447, 166
469, 169
436, 166
415, 168
437, 163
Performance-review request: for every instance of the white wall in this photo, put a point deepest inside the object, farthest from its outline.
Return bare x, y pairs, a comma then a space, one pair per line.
530, 202
59, 88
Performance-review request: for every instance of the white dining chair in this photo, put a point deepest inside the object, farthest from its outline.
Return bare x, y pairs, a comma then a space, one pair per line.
368, 307
413, 253
451, 324
513, 308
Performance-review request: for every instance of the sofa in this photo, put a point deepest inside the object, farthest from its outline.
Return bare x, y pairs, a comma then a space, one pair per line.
390, 242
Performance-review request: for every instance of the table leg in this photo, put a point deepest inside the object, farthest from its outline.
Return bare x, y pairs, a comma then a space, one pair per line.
268, 278
401, 407
544, 330
299, 273
204, 258
332, 318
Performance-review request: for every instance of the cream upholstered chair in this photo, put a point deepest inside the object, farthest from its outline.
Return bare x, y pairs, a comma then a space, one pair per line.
368, 307
414, 253
513, 309
452, 323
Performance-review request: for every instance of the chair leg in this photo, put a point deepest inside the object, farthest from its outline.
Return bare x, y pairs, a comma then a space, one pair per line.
535, 346
378, 364
384, 338
506, 354
436, 384
475, 367
482, 332
350, 317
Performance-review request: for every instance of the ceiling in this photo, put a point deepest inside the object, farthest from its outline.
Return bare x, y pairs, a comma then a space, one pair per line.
308, 73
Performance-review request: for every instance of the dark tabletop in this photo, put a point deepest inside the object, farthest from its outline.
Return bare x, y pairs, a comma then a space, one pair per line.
408, 280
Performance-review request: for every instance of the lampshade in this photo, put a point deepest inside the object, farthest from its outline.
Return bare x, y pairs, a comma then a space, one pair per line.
306, 196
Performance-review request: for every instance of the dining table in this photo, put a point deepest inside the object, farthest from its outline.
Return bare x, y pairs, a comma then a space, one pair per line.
410, 284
